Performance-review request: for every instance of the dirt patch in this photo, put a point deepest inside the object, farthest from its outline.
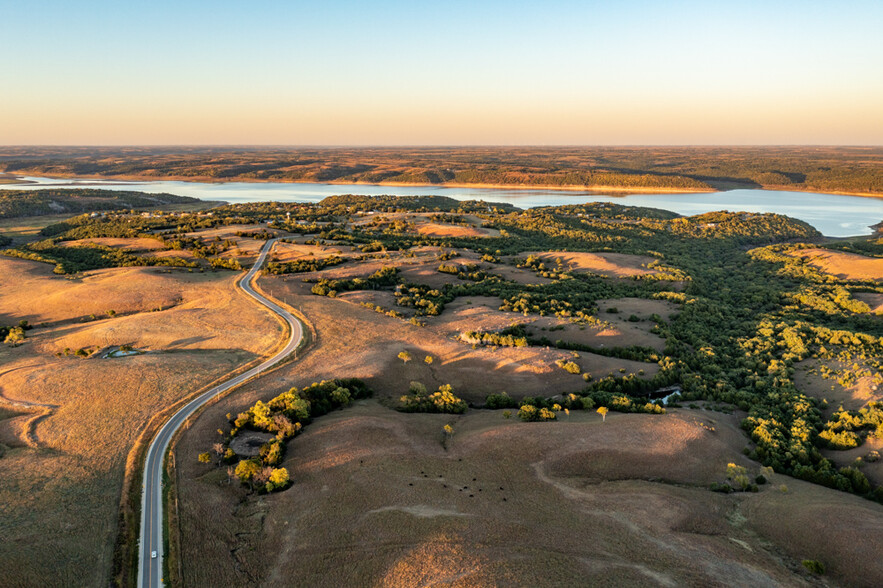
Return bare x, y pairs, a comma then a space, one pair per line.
248, 443
845, 266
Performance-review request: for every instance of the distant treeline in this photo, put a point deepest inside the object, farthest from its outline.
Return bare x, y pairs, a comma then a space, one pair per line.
20, 203
833, 169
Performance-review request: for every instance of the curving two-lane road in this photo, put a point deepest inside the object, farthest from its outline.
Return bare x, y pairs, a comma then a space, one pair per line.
150, 568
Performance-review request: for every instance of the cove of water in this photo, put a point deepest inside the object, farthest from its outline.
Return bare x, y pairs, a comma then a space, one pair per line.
833, 215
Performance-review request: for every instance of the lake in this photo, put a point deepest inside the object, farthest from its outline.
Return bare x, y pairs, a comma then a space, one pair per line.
833, 215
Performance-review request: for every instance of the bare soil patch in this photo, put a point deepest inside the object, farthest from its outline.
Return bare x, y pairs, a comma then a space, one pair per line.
248, 443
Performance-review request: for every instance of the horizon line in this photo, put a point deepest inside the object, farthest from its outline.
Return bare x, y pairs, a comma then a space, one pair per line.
430, 145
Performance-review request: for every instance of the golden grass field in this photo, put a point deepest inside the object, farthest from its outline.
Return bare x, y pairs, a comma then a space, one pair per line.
359, 342
380, 497
135, 244
854, 398
845, 266
64, 464
379, 500
614, 265
423, 224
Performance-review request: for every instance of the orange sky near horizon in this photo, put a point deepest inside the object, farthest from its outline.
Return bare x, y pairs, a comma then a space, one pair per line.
467, 73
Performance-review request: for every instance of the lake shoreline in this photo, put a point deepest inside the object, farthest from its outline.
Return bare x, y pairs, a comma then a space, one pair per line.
588, 190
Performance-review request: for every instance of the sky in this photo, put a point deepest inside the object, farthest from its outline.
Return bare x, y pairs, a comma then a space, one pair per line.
624, 72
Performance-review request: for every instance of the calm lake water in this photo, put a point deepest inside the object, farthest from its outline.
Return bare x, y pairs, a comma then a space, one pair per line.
833, 215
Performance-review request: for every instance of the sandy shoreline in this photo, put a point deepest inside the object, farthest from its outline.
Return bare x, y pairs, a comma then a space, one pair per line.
594, 190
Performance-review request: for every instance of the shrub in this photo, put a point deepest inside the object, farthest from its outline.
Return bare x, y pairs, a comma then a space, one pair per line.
443, 400
530, 413
568, 366
279, 480
814, 566
502, 400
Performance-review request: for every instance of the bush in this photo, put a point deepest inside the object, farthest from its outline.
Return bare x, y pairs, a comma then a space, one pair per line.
568, 366
530, 413
502, 400
279, 480
814, 566
443, 400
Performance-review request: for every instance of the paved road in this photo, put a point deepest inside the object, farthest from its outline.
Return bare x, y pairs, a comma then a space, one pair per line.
149, 568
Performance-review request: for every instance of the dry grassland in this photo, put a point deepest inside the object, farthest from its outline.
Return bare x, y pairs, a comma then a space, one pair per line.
359, 342
481, 313
873, 300
811, 522
291, 251
424, 225
430, 229
518, 275
134, 244
845, 266
23, 229
246, 249
378, 500
614, 265
854, 397
64, 468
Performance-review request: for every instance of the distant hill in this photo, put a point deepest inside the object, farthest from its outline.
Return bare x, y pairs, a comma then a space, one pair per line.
20, 203
354, 202
853, 170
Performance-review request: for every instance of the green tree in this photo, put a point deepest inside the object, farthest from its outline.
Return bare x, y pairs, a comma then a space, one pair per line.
278, 479
15, 336
738, 475
247, 469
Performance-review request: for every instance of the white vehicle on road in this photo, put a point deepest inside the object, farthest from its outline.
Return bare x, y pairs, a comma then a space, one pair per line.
150, 571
